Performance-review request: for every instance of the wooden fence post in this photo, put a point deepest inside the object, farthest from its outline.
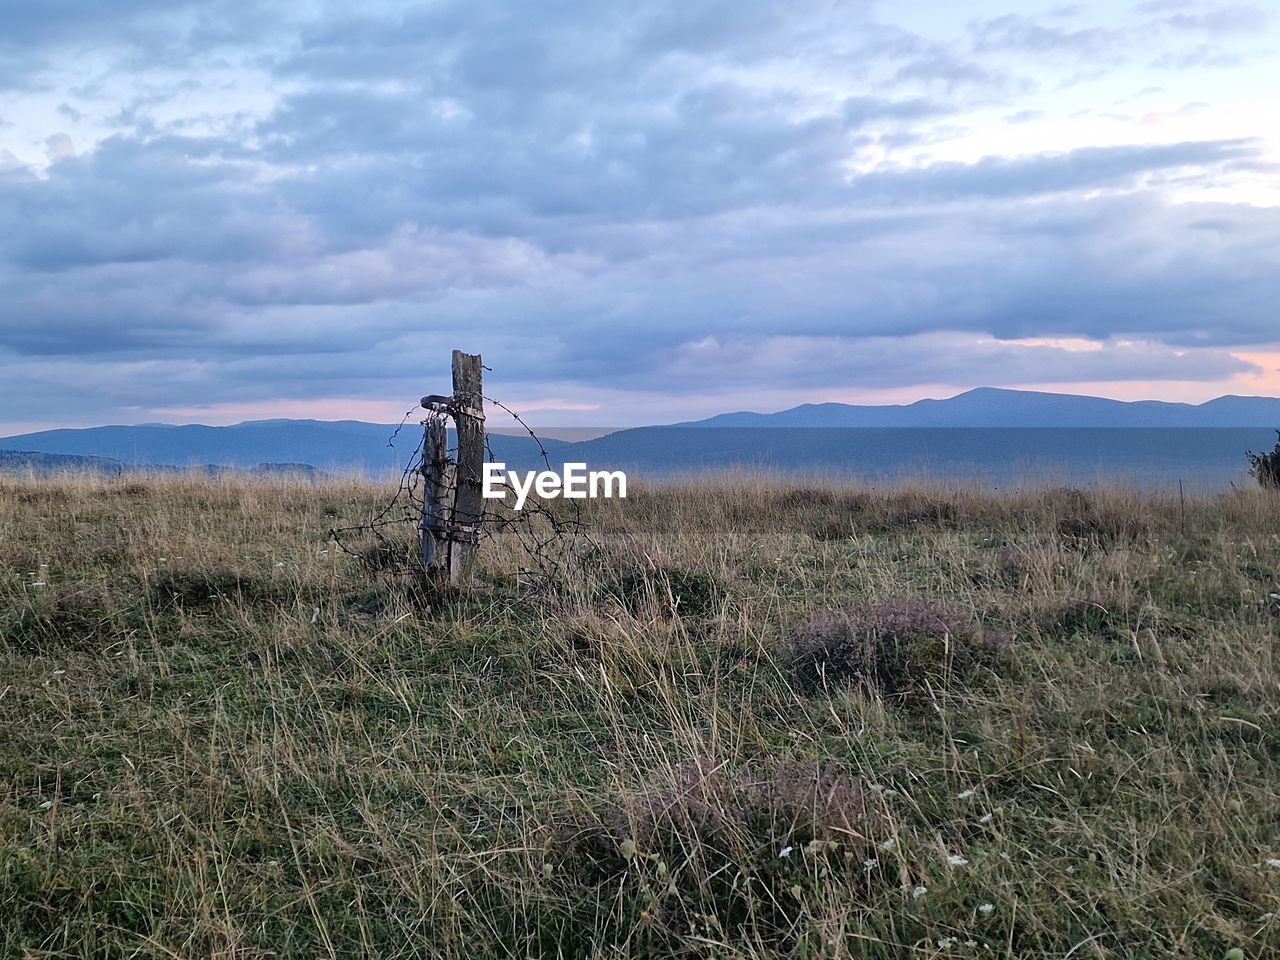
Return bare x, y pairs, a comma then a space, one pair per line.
453, 491
468, 503
437, 494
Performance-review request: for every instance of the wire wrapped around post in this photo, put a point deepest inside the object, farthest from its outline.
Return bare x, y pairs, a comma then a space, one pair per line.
450, 526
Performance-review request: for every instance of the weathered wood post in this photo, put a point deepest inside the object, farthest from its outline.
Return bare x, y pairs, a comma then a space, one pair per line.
468, 503
453, 490
437, 491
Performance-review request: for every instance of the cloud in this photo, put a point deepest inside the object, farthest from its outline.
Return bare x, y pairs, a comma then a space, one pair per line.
1238, 18
39, 41
1016, 32
1114, 42
1203, 55
156, 250
59, 146
255, 201
1087, 167
955, 71
877, 362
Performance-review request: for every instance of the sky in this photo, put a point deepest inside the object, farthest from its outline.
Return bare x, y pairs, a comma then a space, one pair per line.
637, 212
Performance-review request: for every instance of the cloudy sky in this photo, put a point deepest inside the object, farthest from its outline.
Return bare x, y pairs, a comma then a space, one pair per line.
637, 212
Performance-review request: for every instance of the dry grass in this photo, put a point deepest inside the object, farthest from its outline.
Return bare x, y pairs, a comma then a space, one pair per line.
219, 739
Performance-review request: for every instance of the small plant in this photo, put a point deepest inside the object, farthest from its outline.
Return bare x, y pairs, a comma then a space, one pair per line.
1265, 467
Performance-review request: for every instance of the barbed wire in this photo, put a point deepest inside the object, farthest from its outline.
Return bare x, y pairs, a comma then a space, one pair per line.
551, 541
542, 450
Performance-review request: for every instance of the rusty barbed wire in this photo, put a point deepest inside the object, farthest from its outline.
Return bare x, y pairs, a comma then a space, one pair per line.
551, 541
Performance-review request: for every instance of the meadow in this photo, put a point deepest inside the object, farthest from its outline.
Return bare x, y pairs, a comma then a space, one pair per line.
756, 718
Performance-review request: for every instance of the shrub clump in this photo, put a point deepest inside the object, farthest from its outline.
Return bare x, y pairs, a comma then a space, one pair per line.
1265, 467
893, 646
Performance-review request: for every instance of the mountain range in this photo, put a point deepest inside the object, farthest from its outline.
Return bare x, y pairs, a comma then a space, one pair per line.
339, 446
987, 432
995, 407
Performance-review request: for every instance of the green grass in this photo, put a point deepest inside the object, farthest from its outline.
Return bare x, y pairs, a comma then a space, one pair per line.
217, 738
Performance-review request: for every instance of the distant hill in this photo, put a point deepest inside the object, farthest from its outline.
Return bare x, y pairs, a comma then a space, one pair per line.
51, 462
34, 461
989, 435
342, 446
1006, 435
994, 407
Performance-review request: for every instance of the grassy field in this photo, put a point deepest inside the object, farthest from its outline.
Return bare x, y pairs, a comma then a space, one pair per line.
758, 720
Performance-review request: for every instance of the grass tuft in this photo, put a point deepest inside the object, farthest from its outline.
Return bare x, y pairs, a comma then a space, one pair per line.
894, 646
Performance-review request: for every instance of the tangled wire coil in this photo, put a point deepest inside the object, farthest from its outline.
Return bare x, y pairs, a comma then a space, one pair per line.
549, 540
